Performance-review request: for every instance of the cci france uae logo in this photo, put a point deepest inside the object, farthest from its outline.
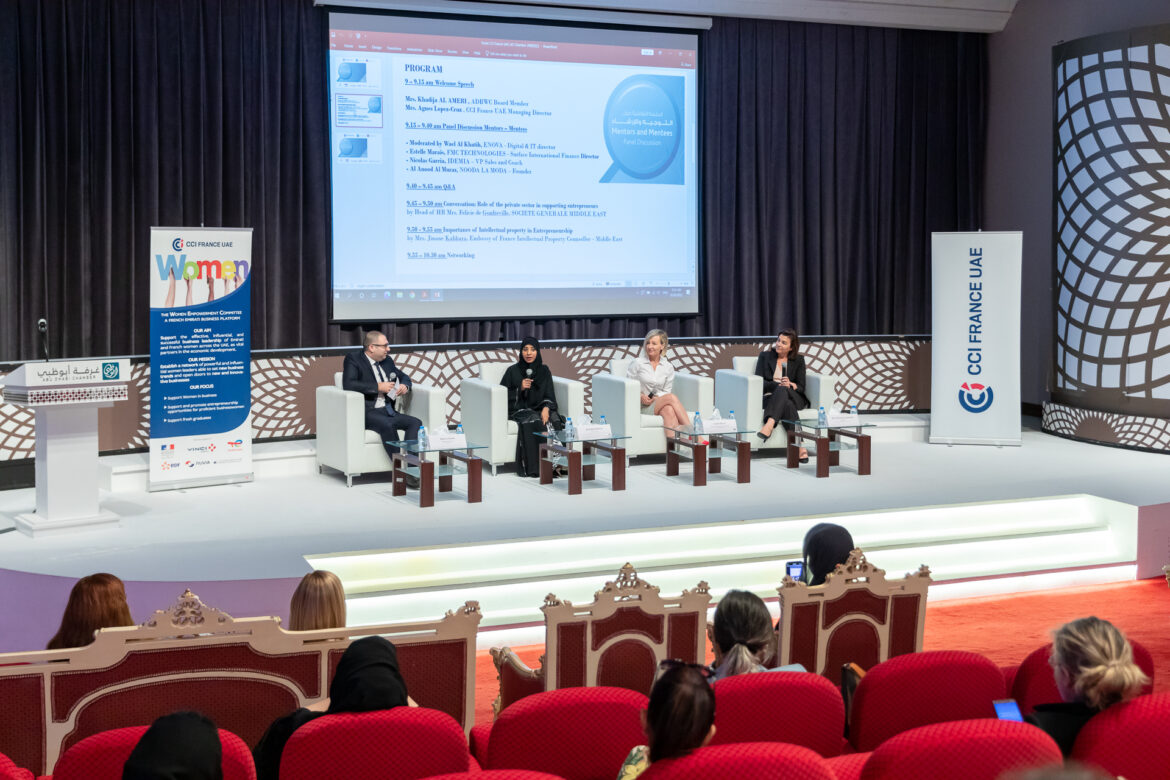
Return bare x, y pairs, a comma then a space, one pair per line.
975, 397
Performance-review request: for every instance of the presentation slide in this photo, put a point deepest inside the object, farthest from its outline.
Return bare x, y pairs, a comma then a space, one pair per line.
496, 170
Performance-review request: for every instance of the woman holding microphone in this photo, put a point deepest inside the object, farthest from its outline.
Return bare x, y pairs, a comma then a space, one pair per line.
783, 371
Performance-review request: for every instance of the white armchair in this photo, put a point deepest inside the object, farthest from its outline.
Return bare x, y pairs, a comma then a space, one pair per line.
484, 411
343, 443
738, 389
618, 398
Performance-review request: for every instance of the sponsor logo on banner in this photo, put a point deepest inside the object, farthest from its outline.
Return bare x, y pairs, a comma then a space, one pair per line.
236, 444
110, 370
975, 397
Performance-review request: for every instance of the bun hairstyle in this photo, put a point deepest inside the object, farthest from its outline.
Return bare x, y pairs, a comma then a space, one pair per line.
318, 602
1098, 660
96, 601
680, 712
743, 631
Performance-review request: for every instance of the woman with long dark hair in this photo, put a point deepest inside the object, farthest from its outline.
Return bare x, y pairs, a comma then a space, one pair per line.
96, 601
782, 368
679, 718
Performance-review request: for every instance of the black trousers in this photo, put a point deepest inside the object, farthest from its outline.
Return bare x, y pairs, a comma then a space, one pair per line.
784, 404
387, 427
528, 443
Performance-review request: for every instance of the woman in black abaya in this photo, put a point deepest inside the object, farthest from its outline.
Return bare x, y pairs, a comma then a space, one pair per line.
532, 405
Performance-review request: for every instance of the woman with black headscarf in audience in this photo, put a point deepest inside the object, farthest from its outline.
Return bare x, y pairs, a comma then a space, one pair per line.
825, 546
532, 405
180, 746
367, 679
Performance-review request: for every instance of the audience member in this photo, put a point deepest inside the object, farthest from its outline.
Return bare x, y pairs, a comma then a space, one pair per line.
825, 546
742, 634
318, 602
679, 718
180, 746
96, 601
1094, 668
367, 679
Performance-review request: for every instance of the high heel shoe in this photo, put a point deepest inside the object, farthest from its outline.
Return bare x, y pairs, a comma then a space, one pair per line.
804, 458
760, 435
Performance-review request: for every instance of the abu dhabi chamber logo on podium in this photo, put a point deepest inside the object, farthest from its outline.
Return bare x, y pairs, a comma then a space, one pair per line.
110, 370
643, 129
975, 398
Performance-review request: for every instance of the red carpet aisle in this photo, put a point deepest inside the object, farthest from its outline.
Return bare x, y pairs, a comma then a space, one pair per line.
1003, 628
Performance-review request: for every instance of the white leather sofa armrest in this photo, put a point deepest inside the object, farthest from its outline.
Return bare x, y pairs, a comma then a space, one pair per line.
821, 390
570, 398
617, 398
428, 404
484, 415
341, 424
740, 393
696, 393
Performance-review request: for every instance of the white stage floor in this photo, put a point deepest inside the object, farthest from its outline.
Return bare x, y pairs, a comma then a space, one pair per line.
264, 529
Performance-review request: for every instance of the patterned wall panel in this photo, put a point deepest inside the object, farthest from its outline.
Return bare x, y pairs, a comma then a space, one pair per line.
1112, 223
875, 374
1124, 430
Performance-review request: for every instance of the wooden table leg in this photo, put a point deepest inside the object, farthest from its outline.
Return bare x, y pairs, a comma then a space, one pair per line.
834, 455
546, 466
700, 462
743, 462
714, 465
474, 480
822, 457
863, 450
398, 476
574, 472
587, 472
617, 458
445, 480
671, 458
793, 455
426, 483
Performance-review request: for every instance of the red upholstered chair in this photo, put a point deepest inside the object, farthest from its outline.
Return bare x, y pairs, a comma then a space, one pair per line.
499, 774
800, 708
577, 733
10, 771
848, 766
399, 744
1131, 740
618, 639
1034, 682
101, 756
967, 749
919, 689
858, 616
759, 761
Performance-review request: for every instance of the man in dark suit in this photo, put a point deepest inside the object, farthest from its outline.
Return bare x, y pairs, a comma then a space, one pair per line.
372, 373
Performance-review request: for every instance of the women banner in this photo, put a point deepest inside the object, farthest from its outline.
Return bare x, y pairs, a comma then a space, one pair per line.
975, 341
200, 356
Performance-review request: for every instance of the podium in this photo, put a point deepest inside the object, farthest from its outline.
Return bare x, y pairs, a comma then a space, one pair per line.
66, 396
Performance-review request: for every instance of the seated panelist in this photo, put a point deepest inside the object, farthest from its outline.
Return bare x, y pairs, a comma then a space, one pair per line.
532, 405
783, 371
371, 372
655, 375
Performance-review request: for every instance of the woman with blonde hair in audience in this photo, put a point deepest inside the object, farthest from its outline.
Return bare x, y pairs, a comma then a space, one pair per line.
742, 633
96, 601
318, 602
679, 718
1094, 668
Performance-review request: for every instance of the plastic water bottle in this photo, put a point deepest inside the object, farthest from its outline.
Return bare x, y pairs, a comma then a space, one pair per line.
570, 429
822, 418
459, 429
698, 424
422, 437
731, 416
603, 422
853, 411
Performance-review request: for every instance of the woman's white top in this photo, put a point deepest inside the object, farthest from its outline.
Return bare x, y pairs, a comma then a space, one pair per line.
654, 381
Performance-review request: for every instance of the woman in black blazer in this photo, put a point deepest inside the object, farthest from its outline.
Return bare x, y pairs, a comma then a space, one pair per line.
783, 372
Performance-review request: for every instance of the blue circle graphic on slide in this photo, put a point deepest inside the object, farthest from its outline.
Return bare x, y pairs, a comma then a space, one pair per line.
642, 127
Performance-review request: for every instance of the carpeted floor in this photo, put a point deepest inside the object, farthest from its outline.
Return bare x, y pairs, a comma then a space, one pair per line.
1003, 628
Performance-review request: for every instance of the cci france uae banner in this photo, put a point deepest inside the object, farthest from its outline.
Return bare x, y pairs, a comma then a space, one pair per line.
975, 344
200, 356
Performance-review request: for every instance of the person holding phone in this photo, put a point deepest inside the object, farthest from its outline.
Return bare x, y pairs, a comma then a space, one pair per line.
782, 368
655, 376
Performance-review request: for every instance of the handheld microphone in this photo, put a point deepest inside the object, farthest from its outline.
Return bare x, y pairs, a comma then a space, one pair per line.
43, 327
527, 374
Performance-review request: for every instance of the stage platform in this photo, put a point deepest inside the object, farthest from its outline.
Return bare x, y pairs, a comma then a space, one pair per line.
984, 519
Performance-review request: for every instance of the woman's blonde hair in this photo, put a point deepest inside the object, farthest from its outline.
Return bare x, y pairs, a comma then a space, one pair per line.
660, 334
1098, 660
318, 602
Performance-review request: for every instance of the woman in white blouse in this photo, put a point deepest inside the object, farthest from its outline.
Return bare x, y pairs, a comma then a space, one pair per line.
655, 375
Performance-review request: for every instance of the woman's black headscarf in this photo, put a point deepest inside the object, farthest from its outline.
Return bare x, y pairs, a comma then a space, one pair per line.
825, 545
541, 393
367, 679
181, 746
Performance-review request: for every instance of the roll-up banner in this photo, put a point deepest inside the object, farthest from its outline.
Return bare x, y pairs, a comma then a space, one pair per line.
975, 345
200, 356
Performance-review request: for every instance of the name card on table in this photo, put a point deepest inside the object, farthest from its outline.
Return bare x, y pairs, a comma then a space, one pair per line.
719, 426
447, 440
594, 431
844, 419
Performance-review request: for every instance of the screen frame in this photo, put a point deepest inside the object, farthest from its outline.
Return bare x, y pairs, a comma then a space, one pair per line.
700, 244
